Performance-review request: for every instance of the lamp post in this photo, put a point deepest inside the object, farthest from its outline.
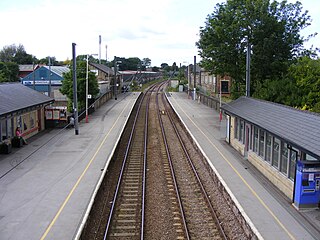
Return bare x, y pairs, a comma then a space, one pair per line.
87, 84
115, 77
188, 77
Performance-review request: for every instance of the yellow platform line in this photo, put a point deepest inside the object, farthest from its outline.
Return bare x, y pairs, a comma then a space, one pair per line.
80, 178
239, 175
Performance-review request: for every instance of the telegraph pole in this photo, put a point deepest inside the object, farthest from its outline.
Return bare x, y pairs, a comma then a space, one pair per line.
194, 77
75, 98
248, 69
115, 78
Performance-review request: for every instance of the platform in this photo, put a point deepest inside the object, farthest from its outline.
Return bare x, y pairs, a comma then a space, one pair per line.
45, 186
268, 209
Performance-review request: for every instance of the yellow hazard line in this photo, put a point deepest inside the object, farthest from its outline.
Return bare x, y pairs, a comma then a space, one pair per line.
80, 178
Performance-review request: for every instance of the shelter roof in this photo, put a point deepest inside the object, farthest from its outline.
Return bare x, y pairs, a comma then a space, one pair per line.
16, 97
298, 128
102, 68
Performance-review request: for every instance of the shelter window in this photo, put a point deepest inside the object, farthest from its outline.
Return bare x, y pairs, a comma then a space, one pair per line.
276, 152
261, 143
310, 158
268, 147
255, 139
284, 158
241, 131
32, 119
236, 124
292, 163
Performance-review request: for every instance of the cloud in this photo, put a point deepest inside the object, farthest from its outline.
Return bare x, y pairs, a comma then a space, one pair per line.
163, 30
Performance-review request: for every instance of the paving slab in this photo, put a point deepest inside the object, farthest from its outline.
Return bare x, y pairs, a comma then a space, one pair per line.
45, 186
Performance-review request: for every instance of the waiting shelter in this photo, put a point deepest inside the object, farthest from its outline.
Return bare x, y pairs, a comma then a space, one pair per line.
282, 142
23, 107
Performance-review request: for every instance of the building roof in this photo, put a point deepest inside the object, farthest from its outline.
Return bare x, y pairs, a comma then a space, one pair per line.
27, 67
15, 97
102, 68
298, 128
59, 70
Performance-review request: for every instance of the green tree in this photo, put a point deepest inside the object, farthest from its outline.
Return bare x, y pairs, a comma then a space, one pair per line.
146, 62
155, 69
15, 54
271, 28
306, 73
9, 72
164, 65
67, 85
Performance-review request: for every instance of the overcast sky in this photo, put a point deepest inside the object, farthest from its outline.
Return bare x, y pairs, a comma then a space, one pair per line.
164, 31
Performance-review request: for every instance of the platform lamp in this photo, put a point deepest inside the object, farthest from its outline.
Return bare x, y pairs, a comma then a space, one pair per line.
87, 84
188, 76
116, 62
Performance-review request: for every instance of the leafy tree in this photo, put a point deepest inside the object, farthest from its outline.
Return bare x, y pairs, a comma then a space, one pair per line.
174, 67
146, 62
15, 54
306, 73
155, 69
4, 72
13, 71
271, 28
21, 56
53, 61
9, 72
164, 65
67, 85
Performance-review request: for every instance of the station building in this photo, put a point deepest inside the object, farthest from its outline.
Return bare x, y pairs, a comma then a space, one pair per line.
46, 79
23, 107
282, 142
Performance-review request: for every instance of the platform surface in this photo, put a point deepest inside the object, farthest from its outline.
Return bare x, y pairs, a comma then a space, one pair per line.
46, 185
269, 210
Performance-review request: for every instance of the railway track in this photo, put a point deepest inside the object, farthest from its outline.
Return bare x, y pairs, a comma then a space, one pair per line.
197, 214
126, 217
152, 189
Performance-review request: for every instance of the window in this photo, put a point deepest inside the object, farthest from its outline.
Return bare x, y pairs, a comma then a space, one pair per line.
284, 158
310, 158
275, 152
236, 125
255, 139
32, 119
261, 143
292, 163
224, 86
241, 139
268, 148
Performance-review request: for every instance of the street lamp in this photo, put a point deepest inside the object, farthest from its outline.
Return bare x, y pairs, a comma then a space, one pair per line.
87, 85
115, 77
188, 67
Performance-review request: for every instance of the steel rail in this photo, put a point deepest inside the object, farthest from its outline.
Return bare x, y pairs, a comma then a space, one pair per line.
107, 228
172, 170
145, 164
195, 172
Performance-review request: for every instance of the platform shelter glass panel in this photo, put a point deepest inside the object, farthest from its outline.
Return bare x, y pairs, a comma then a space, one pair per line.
268, 147
276, 152
241, 138
292, 163
261, 143
255, 139
236, 128
284, 158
